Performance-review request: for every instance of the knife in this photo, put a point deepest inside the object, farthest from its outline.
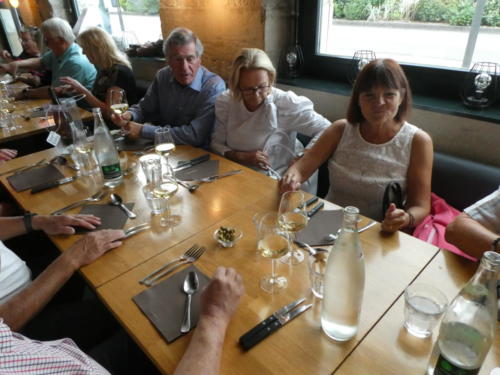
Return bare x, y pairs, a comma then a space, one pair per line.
314, 210
272, 323
51, 184
311, 201
191, 163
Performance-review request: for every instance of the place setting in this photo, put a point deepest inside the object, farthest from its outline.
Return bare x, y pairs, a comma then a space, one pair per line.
172, 305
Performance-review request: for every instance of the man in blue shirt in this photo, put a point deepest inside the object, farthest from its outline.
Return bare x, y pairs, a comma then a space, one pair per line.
182, 95
65, 58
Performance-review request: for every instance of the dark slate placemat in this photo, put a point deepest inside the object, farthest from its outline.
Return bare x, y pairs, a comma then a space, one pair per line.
26, 180
163, 304
112, 217
127, 144
319, 226
202, 170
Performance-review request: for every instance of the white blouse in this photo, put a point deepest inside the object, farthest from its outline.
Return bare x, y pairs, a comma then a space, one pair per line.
238, 129
360, 171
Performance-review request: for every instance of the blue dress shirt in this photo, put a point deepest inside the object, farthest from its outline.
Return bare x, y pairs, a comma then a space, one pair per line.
72, 63
189, 110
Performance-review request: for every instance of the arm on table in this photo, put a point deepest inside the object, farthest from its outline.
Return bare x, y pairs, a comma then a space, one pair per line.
19, 309
218, 304
303, 168
470, 236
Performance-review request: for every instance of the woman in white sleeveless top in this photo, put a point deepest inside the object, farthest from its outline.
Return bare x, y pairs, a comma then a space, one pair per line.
373, 147
256, 124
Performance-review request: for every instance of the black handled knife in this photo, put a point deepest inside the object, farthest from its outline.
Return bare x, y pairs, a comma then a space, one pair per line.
311, 201
315, 209
51, 184
272, 323
191, 163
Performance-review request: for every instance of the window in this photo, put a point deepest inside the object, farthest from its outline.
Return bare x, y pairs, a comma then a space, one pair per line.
129, 21
328, 55
427, 32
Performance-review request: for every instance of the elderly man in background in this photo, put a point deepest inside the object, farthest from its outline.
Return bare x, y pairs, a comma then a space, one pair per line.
477, 229
182, 95
65, 58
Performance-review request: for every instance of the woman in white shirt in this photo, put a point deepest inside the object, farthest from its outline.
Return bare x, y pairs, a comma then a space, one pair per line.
252, 117
373, 148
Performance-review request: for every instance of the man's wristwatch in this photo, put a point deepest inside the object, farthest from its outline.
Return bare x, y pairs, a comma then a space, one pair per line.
28, 221
495, 245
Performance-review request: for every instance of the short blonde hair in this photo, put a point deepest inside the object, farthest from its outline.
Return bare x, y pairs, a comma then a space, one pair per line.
250, 58
102, 48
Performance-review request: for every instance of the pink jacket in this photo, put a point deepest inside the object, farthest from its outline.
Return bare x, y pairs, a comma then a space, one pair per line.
433, 227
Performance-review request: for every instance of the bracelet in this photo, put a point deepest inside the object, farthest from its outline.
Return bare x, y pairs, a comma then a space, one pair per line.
494, 245
411, 223
28, 221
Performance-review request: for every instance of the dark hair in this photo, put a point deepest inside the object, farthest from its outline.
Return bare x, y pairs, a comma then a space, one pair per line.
385, 73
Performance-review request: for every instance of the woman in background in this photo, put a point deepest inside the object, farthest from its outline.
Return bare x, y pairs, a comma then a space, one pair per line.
113, 69
253, 110
373, 148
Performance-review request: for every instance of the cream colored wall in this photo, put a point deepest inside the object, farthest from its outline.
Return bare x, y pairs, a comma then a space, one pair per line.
466, 138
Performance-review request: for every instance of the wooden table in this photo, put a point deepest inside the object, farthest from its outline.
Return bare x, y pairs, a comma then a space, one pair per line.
392, 263
195, 211
398, 352
300, 347
31, 126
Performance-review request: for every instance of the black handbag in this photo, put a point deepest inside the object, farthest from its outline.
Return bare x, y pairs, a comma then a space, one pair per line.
392, 194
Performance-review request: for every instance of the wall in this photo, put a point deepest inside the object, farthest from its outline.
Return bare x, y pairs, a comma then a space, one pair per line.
224, 26
466, 138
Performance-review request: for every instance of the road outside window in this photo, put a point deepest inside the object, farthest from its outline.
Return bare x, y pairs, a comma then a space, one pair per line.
427, 32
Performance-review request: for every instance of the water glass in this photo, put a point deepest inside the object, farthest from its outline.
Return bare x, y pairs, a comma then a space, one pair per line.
157, 205
84, 159
151, 166
424, 306
317, 267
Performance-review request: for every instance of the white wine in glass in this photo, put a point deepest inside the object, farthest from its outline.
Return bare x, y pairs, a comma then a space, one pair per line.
292, 218
272, 244
164, 143
119, 108
117, 100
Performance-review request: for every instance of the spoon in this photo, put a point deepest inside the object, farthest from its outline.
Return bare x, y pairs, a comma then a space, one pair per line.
312, 250
116, 200
333, 237
189, 287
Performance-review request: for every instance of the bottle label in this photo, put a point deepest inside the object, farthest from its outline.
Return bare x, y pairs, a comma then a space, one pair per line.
445, 367
111, 171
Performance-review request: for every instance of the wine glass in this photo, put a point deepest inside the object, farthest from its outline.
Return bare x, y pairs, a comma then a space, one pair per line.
165, 188
117, 100
164, 143
272, 244
292, 217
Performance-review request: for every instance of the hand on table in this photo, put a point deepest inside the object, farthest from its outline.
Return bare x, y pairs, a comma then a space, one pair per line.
73, 84
395, 219
7, 154
290, 181
63, 224
221, 297
93, 245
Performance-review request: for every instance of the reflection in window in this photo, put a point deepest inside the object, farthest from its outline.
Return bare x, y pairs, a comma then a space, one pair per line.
427, 32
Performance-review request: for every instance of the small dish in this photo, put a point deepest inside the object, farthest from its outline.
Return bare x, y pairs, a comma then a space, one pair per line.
228, 243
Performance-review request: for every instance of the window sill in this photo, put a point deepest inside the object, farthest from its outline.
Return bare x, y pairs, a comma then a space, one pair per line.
448, 106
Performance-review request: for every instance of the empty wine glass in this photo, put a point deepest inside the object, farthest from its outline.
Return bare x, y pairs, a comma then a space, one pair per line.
292, 218
272, 243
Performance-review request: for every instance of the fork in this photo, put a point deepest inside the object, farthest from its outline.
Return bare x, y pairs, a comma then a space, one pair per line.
23, 168
93, 198
191, 255
200, 181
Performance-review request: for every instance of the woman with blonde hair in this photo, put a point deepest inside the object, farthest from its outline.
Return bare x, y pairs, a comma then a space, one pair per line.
253, 117
113, 69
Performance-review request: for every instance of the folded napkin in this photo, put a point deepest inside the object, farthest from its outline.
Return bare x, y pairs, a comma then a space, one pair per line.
319, 226
199, 171
127, 144
26, 180
163, 304
112, 217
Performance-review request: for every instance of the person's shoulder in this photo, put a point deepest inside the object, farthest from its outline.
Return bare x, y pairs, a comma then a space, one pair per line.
288, 98
210, 78
420, 138
339, 126
224, 98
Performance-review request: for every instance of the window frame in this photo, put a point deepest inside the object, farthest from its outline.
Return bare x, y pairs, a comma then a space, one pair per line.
425, 80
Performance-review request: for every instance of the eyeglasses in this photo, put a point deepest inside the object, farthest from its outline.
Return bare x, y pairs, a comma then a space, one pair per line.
262, 89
